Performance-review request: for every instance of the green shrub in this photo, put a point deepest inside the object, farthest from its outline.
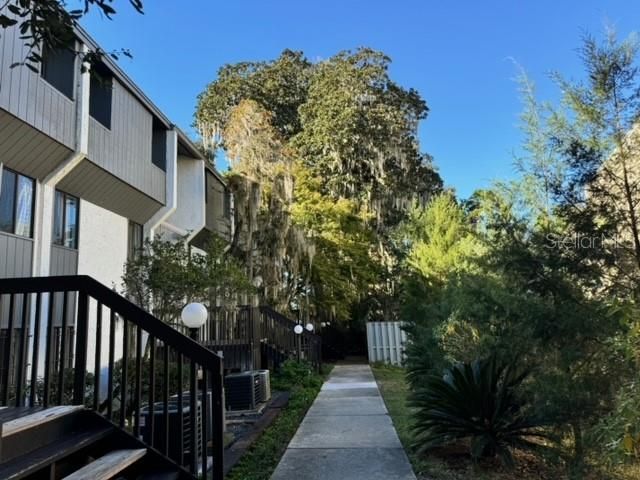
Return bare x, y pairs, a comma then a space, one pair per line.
479, 402
616, 437
295, 373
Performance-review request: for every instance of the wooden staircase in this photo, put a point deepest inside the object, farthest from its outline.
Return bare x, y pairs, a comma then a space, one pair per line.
97, 388
74, 443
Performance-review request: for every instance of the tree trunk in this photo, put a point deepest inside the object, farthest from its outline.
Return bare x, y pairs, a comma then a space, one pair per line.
578, 444
633, 217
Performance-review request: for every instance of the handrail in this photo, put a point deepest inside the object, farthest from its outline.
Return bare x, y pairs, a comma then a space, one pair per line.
284, 320
279, 331
86, 283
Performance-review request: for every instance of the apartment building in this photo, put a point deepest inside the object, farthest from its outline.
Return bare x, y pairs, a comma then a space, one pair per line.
90, 167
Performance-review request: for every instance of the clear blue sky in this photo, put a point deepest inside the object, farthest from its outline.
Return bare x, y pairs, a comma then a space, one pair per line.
455, 53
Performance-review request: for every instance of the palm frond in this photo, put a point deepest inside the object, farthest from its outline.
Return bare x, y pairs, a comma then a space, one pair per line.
479, 401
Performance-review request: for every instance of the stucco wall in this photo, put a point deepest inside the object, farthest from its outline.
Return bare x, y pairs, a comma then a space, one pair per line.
102, 249
102, 254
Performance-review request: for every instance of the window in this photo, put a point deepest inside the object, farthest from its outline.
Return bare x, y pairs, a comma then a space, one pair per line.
135, 240
65, 220
159, 148
7, 201
16, 203
100, 95
58, 69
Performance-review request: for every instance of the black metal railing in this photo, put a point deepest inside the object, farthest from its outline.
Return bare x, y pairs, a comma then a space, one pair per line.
228, 324
71, 340
277, 332
232, 332
251, 338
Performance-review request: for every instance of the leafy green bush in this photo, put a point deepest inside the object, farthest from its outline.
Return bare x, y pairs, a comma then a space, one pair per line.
67, 393
294, 374
478, 401
616, 437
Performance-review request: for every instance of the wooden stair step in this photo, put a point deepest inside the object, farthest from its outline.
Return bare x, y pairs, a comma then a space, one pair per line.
11, 413
108, 465
33, 420
37, 459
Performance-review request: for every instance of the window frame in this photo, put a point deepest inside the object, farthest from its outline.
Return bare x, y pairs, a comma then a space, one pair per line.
54, 241
14, 210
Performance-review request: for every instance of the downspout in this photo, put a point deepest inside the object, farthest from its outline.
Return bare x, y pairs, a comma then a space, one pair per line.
192, 234
232, 221
170, 204
192, 193
171, 188
82, 124
45, 191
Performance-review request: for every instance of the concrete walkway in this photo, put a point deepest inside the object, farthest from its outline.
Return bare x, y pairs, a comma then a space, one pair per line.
346, 435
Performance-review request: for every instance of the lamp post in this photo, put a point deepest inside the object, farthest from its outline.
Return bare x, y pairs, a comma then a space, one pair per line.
194, 315
298, 329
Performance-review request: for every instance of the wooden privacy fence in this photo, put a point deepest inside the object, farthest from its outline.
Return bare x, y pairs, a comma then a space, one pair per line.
385, 342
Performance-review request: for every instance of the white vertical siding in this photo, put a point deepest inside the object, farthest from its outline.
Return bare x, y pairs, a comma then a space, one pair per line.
64, 261
15, 256
385, 342
25, 95
124, 150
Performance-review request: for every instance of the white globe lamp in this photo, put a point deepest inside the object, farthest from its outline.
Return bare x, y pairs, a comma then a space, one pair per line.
194, 315
309, 327
298, 329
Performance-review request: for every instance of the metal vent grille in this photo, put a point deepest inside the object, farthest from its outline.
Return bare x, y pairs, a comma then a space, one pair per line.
265, 385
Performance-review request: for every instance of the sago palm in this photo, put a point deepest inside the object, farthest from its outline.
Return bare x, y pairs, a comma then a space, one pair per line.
477, 401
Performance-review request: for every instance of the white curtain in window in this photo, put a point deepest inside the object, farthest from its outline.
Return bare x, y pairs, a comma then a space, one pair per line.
24, 206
